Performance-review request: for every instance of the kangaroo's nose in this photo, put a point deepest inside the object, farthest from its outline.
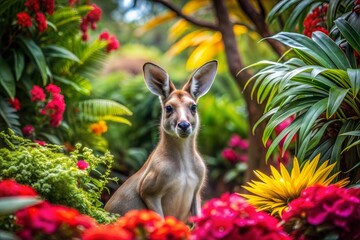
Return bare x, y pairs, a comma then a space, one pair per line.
183, 125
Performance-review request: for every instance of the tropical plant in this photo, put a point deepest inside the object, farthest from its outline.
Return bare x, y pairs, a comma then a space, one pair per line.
72, 180
43, 46
319, 85
273, 193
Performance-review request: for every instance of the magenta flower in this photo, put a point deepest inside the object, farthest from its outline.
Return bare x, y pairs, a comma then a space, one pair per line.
82, 164
236, 141
231, 217
37, 94
28, 130
230, 155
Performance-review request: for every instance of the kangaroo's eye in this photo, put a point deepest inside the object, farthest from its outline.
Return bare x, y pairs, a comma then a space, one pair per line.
169, 109
193, 107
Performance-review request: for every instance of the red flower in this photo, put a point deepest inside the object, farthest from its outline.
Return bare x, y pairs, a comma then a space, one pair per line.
49, 6
171, 228
334, 209
10, 188
231, 217
104, 35
316, 21
230, 155
41, 21
28, 130
23, 19
113, 44
95, 14
82, 164
108, 232
55, 108
45, 220
32, 5
15, 103
53, 89
41, 143
37, 94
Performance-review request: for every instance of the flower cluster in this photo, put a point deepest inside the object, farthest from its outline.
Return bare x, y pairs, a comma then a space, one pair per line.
90, 19
140, 224
44, 220
236, 150
55, 105
112, 42
99, 127
15, 103
231, 217
37, 8
322, 211
10, 188
316, 21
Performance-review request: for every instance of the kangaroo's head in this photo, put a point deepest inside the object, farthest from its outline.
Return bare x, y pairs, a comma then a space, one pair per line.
179, 106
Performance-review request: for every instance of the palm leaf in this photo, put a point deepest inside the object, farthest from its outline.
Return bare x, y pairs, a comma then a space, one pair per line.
8, 117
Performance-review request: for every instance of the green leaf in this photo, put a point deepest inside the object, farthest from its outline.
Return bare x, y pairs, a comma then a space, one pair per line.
59, 52
351, 133
7, 80
7, 236
354, 77
36, 55
116, 119
10, 205
310, 117
331, 49
294, 16
280, 8
331, 12
19, 63
336, 97
306, 46
349, 33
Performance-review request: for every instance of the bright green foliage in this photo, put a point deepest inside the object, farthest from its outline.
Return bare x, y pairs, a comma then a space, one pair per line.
55, 176
319, 84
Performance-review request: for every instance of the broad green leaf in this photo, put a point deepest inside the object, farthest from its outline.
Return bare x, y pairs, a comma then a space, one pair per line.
354, 76
306, 45
116, 119
336, 97
280, 8
19, 63
10, 205
349, 33
351, 133
59, 52
36, 55
338, 145
331, 49
310, 117
68, 82
294, 17
7, 80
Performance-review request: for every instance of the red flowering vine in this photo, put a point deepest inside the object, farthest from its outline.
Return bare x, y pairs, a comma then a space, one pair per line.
316, 21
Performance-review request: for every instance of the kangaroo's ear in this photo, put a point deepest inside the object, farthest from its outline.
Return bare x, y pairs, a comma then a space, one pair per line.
157, 80
202, 79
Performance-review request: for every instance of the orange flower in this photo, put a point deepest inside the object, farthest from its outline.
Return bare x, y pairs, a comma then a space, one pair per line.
108, 232
99, 128
171, 229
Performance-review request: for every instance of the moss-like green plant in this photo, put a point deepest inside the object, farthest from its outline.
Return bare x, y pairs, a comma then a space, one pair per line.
55, 175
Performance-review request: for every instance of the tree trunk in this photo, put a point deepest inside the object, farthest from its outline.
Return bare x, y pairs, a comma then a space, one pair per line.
256, 149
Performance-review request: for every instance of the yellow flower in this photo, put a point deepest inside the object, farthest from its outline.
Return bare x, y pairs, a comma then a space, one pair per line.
273, 193
99, 128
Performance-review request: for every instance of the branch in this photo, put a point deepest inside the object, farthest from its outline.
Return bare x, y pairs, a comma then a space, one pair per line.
262, 9
188, 18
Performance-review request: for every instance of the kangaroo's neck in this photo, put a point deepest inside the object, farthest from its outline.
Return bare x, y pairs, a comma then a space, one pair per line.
176, 145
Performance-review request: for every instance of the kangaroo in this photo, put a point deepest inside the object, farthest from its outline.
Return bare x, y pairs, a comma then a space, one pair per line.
171, 179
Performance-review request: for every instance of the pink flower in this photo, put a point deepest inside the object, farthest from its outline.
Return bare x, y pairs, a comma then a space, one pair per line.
49, 6
28, 130
41, 21
55, 108
334, 209
37, 94
231, 217
230, 155
15, 103
236, 141
53, 89
24, 20
95, 14
82, 164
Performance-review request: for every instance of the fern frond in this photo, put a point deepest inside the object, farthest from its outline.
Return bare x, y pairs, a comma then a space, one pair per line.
99, 109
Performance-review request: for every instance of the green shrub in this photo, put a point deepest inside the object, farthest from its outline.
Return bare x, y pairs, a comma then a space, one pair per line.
55, 176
